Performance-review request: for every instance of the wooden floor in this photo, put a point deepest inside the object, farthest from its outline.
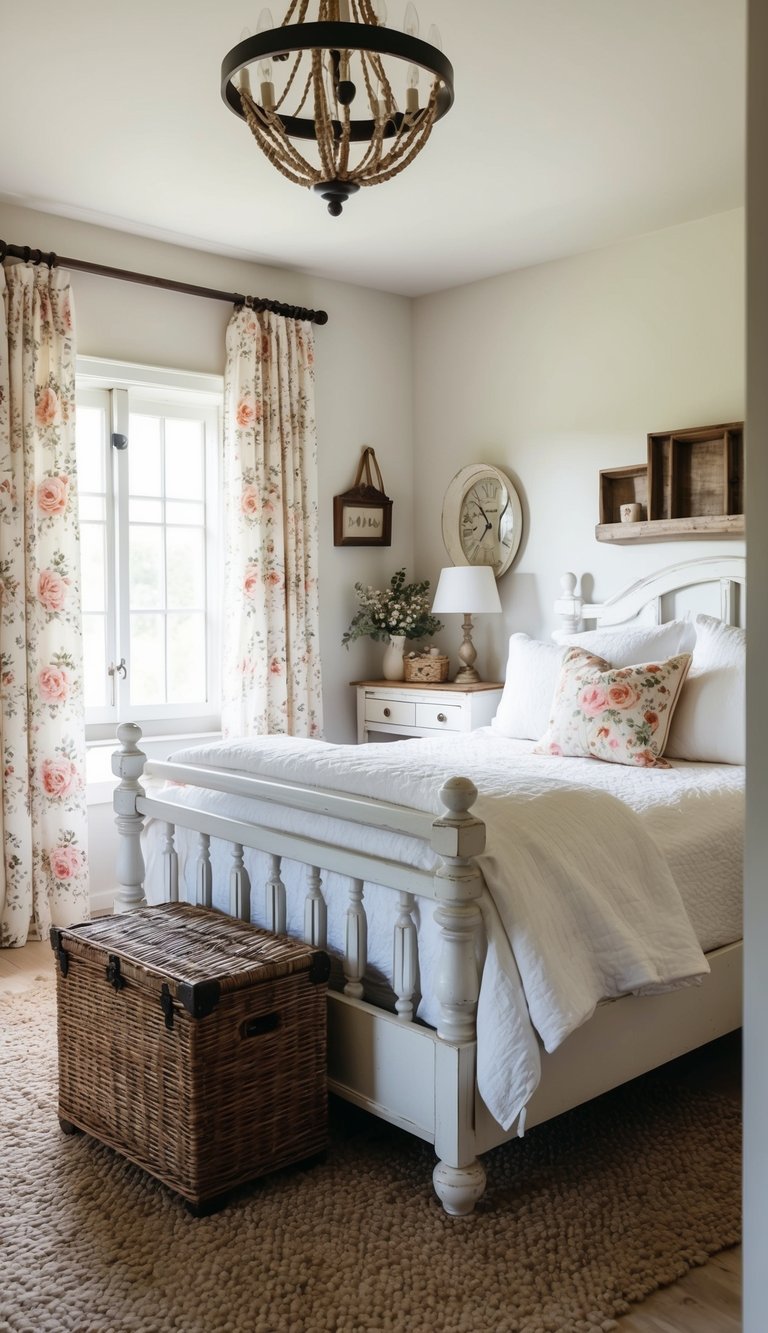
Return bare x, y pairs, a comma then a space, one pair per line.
708, 1300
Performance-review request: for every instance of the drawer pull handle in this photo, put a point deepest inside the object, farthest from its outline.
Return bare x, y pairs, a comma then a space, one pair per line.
387, 712
441, 717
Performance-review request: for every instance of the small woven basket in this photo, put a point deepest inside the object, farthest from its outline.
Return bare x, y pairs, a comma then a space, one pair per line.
428, 670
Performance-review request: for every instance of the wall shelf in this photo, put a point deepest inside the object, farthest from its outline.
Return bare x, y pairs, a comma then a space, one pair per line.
691, 486
672, 529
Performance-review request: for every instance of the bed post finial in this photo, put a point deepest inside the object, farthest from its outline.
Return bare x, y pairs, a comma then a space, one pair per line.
569, 604
128, 765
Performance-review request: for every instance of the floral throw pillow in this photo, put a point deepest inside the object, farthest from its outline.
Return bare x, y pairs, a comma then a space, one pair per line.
620, 714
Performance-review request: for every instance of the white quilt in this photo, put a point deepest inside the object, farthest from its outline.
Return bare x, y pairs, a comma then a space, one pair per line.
581, 905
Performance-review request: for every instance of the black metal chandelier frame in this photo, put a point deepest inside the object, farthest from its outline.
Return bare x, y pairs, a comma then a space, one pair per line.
280, 43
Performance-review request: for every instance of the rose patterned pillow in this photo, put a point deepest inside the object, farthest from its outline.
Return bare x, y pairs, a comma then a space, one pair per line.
620, 714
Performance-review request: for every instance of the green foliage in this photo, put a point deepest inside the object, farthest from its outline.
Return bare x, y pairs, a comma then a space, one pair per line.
402, 608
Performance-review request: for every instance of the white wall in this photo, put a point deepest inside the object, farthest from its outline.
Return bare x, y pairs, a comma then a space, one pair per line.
756, 904
557, 371
363, 387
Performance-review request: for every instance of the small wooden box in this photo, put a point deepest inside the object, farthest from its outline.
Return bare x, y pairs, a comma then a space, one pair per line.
193, 1044
696, 473
623, 485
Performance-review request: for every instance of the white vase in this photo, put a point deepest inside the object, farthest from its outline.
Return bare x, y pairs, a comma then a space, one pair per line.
392, 666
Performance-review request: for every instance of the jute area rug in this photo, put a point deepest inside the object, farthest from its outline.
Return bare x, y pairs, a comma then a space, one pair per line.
582, 1217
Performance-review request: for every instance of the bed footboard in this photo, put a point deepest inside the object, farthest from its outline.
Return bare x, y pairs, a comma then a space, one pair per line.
372, 1052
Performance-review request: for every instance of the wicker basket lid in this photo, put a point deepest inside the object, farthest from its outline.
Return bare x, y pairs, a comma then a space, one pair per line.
190, 947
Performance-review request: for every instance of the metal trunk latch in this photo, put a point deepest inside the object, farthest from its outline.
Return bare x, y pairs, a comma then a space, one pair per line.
166, 1004
57, 945
113, 972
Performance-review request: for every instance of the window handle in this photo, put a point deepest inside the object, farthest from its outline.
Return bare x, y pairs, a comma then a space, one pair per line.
116, 670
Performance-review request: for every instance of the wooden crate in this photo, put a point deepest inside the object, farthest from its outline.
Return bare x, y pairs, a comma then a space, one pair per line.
696, 473
623, 485
193, 1044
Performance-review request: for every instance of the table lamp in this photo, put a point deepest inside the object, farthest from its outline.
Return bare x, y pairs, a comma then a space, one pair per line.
471, 590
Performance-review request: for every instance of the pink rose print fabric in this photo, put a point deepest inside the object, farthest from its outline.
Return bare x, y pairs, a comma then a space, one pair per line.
271, 655
621, 715
44, 871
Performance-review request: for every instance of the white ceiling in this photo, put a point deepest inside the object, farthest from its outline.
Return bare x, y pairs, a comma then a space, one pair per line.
576, 123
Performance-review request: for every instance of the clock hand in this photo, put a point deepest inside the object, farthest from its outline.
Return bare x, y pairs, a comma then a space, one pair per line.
488, 523
501, 515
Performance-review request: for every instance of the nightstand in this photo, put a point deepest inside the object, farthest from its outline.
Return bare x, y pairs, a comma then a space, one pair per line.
396, 708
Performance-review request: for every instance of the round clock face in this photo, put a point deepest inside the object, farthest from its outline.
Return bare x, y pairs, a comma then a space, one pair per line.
482, 518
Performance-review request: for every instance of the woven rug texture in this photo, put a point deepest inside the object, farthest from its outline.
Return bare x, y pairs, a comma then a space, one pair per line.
583, 1217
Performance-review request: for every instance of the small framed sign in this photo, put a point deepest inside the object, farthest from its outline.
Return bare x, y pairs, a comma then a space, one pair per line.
362, 516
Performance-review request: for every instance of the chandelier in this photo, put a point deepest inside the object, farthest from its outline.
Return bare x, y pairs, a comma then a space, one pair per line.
364, 95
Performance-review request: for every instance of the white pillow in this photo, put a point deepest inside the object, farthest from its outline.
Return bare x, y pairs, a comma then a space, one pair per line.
628, 645
709, 725
533, 668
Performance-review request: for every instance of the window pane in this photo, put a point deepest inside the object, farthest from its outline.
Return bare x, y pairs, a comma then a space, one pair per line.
147, 675
186, 568
93, 562
180, 511
144, 455
91, 447
186, 659
146, 511
95, 680
92, 508
184, 471
146, 568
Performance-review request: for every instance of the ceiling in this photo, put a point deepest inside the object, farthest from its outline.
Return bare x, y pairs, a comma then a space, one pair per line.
576, 123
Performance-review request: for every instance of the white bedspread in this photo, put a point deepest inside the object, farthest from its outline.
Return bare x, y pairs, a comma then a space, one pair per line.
582, 902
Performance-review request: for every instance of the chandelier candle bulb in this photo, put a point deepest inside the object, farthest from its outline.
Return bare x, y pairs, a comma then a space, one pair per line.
411, 20
245, 77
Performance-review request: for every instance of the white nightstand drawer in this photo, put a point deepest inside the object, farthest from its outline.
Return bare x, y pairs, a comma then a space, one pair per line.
400, 711
442, 717
405, 709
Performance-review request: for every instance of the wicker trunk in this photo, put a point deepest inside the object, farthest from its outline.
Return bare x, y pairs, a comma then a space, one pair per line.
193, 1044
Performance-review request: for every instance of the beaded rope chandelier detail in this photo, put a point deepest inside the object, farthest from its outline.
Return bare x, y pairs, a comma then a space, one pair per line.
364, 95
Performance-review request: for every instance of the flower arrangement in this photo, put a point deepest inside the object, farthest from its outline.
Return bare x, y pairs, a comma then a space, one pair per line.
401, 609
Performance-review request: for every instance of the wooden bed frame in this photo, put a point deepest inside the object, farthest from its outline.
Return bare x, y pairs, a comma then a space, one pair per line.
414, 1076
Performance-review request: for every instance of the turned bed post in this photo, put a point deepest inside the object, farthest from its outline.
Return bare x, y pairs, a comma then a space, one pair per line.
569, 605
128, 765
457, 837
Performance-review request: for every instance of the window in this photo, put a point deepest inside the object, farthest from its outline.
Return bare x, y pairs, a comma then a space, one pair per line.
147, 454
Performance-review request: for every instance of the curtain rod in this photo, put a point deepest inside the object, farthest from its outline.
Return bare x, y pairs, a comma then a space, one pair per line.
166, 284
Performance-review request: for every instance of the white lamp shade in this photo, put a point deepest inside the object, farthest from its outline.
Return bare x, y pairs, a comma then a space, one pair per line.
467, 589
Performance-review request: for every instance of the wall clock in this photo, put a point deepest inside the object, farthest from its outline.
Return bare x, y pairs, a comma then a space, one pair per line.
482, 518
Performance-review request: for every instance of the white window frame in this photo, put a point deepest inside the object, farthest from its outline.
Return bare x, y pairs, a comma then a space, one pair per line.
200, 395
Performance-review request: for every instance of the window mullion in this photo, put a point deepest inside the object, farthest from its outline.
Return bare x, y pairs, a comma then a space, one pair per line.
121, 583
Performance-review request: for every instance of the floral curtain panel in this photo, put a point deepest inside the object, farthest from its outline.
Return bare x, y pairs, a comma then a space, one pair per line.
43, 878
271, 672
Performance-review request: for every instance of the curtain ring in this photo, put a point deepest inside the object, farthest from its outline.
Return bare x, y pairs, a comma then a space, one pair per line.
3, 250
52, 260
25, 254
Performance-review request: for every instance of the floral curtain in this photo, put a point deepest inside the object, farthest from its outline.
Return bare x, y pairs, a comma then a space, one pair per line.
271, 665
43, 878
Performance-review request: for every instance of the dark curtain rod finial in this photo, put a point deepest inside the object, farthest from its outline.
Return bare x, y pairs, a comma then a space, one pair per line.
257, 303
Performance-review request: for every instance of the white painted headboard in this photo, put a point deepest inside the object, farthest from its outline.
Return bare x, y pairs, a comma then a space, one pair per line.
644, 600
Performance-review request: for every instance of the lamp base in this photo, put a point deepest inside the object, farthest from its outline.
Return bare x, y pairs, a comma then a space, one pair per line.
467, 676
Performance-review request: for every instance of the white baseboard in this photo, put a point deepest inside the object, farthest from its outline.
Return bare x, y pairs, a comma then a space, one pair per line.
102, 901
